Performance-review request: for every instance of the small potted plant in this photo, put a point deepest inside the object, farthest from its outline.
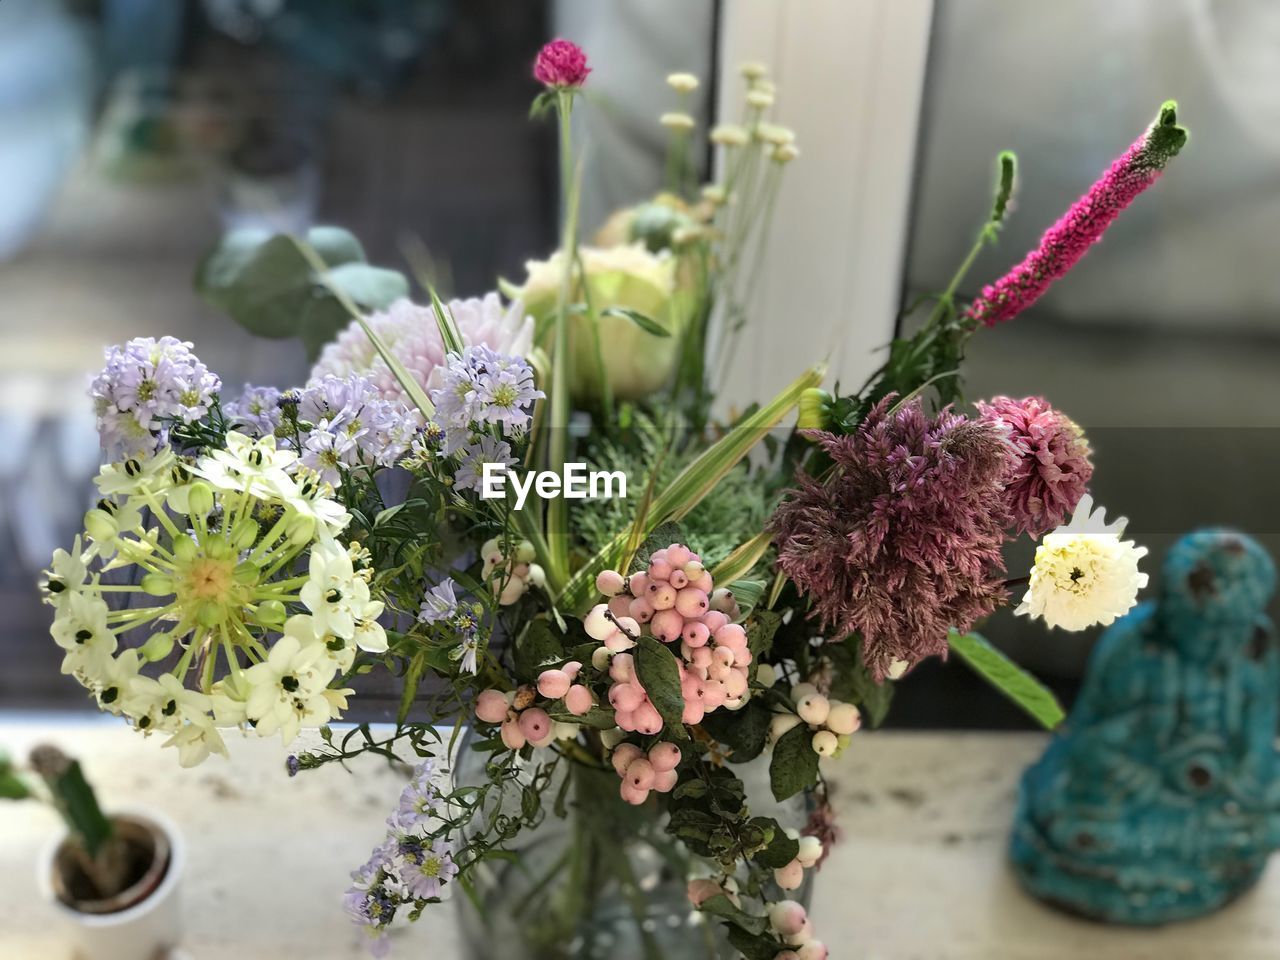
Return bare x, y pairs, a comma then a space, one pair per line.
115, 879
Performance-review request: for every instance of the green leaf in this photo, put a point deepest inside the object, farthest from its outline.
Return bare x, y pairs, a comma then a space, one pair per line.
761, 627
744, 731
747, 593
781, 850
281, 286
721, 906
647, 324
12, 786
1007, 677
537, 649
409, 690
371, 287
794, 766
449, 334
659, 674
742, 559
599, 718
752, 946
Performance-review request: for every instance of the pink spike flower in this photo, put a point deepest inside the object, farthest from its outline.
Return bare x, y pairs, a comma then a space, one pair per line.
1083, 225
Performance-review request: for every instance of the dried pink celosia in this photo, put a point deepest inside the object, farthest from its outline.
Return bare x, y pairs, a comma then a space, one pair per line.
1052, 470
902, 541
1069, 239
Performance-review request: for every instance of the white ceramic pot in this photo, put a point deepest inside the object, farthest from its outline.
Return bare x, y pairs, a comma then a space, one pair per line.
149, 929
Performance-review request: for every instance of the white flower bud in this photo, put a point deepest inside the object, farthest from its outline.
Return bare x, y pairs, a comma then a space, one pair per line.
753, 69
677, 121
682, 82
774, 134
785, 153
729, 135
759, 99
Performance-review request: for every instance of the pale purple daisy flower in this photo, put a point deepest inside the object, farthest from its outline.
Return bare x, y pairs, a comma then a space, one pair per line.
327, 450
425, 870
257, 410
420, 798
482, 386
440, 602
486, 449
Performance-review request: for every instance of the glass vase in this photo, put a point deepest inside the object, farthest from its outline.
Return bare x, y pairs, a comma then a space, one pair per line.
605, 880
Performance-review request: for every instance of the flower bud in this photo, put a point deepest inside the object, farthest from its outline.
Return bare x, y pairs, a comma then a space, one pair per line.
199, 499
157, 585
157, 647
814, 409
677, 121
682, 82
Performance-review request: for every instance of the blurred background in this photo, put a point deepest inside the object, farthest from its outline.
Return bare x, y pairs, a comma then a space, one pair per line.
133, 132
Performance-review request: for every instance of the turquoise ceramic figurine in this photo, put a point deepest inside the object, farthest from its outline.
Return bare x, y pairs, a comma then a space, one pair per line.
1159, 799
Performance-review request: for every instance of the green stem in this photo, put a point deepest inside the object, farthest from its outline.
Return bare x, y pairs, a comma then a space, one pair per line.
558, 441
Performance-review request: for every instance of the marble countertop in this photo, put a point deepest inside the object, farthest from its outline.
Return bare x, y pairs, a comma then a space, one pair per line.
920, 876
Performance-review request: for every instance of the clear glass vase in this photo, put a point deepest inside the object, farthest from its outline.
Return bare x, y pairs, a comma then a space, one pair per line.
604, 881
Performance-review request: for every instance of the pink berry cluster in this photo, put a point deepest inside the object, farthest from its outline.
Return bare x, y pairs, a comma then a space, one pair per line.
521, 721
561, 684
790, 922
831, 721
675, 600
642, 772
791, 877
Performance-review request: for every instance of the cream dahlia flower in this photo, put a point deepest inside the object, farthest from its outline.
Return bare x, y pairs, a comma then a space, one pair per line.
411, 333
1084, 573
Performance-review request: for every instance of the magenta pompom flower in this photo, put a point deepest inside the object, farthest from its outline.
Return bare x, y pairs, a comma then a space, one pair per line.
1083, 225
902, 541
561, 64
1053, 468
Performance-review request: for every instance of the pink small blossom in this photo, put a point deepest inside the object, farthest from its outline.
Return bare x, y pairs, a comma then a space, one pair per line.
561, 64
1083, 225
1052, 469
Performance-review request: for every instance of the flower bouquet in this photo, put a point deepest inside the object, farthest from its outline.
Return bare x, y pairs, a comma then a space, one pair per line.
721, 589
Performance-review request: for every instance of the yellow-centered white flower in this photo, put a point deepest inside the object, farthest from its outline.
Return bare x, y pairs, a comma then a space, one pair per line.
1084, 573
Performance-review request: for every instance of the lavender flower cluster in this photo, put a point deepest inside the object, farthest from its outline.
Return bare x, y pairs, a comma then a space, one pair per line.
409, 866
483, 388
343, 421
146, 385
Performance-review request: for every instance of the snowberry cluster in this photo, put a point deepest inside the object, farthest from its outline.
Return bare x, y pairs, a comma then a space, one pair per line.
833, 722
510, 577
674, 599
642, 772
560, 684
791, 876
789, 921
521, 721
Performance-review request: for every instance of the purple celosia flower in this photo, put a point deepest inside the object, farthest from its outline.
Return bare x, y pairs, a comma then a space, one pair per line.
440, 602
486, 449
1069, 239
1052, 469
144, 384
902, 541
561, 64
257, 410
